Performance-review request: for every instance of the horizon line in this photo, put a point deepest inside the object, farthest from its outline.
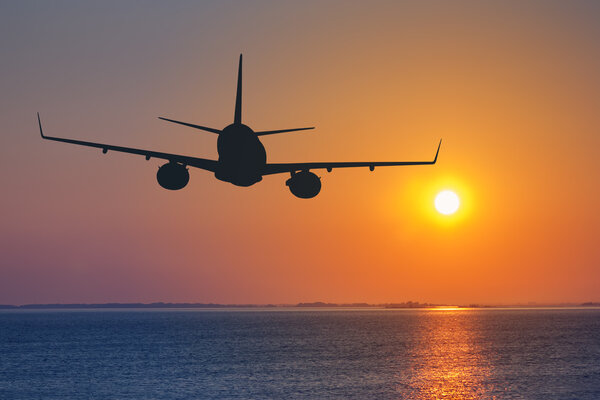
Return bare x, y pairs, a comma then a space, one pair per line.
317, 304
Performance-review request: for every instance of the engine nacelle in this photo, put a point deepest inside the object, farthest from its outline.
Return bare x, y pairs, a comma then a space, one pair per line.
304, 184
173, 176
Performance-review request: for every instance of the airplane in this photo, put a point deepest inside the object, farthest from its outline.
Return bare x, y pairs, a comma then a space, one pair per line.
242, 157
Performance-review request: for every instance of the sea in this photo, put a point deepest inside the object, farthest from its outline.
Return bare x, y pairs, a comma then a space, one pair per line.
299, 353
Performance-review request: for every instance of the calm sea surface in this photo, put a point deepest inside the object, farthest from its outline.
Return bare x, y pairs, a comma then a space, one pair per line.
304, 354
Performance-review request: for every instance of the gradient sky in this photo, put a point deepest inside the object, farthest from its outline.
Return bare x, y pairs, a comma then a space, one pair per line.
513, 88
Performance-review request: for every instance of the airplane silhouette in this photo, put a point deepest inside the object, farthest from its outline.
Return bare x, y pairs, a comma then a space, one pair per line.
242, 157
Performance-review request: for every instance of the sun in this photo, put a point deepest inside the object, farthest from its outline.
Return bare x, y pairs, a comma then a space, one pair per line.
447, 202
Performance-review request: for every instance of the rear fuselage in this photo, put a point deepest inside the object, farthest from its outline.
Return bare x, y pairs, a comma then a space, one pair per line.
242, 157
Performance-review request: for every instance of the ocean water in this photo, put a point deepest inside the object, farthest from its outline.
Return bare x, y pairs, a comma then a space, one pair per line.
300, 354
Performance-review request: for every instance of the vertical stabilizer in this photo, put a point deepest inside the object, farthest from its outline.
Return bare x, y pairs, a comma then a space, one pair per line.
237, 119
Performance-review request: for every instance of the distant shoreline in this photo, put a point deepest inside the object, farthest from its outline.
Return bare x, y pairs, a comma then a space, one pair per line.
162, 305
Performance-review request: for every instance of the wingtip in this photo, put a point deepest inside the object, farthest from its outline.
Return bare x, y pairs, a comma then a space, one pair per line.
40, 125
437, 152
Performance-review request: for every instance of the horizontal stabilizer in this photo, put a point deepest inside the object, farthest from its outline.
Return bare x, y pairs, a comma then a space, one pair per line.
204, 128
261, 133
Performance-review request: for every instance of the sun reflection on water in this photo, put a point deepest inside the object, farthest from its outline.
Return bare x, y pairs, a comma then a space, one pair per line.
448, 362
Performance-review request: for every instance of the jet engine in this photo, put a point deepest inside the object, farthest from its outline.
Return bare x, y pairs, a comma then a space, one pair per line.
173, 176
304, 185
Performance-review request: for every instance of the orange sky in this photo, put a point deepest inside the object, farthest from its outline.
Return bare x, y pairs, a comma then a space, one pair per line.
512, 88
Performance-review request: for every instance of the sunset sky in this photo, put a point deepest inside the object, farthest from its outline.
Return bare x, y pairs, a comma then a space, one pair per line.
513, 88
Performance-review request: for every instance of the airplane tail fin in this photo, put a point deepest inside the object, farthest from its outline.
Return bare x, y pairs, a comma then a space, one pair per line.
238, 97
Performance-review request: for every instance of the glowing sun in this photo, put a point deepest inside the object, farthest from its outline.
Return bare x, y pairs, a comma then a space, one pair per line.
447, 202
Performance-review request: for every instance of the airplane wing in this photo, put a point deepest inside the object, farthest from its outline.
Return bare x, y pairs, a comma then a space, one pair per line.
293, 167
209, 165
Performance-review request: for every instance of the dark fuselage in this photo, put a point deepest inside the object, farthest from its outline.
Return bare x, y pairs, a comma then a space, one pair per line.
242, 157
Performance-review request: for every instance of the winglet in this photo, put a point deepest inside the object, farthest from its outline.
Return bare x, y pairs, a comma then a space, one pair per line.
237, 119
40, 124
437, 152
